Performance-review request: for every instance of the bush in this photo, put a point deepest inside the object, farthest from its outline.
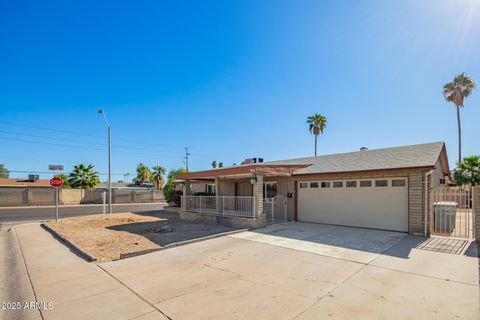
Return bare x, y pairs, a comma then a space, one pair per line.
172, 196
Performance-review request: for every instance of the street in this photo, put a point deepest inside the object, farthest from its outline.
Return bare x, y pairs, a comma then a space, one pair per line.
13, 214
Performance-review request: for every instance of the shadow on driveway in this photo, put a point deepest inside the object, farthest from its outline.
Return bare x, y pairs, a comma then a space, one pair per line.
170, 229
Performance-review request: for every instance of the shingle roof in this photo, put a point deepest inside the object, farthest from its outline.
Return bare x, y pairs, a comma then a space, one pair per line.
420, 155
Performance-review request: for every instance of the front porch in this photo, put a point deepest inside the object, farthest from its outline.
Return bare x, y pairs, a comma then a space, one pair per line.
263, 194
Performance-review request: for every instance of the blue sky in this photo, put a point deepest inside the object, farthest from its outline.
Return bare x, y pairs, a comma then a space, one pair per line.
229, 79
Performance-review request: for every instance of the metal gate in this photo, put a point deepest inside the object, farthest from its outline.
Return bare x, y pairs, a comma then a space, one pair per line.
451, 212
275, 209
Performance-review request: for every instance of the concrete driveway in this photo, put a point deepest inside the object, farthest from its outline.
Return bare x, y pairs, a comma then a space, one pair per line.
308, 271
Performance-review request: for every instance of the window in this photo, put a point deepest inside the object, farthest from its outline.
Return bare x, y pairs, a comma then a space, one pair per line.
398, 183
365, 183
313, 184
210, 189
351, 184
269, 189
381, 183
338, 184
442, 181
325, 184
303, 185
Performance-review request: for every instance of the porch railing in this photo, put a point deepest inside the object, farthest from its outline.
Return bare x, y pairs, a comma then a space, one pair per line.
220, 205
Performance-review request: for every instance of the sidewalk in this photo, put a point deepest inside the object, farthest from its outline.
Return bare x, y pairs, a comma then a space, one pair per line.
77, 289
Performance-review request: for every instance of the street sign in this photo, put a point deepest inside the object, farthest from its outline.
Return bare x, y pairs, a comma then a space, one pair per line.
56, 182
55, 167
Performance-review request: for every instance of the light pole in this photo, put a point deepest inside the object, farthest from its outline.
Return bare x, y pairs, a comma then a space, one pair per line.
100, 111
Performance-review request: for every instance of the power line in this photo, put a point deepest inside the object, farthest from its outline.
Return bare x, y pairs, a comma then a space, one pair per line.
79, 141
82, 134
58, 172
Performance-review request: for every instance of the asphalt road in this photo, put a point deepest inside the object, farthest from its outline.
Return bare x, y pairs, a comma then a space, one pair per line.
48, 212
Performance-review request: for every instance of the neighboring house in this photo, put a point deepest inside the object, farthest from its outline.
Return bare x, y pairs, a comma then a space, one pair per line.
380, 189
24, 183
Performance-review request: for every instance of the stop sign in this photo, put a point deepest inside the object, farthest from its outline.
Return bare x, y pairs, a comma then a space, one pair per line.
56, 182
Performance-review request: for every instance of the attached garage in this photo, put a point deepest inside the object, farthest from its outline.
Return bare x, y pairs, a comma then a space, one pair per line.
376, 203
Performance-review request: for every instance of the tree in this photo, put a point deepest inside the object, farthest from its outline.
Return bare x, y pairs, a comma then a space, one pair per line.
64, 177
172, 174
468, 171
4, 173
143, 173
220, 164
214, 164
171, 196
316, 124
157, 175
455, 92
83, 177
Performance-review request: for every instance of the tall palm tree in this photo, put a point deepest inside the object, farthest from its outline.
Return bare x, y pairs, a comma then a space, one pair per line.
83, 177
455, 92
157, 175
143, 173
316, 124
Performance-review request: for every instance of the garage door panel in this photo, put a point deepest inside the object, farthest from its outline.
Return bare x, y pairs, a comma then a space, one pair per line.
382, 208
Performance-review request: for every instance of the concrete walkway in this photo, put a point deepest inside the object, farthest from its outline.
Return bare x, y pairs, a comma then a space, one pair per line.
288, 271
77, 289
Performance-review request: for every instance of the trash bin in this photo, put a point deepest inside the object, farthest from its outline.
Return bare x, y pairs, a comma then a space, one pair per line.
444, 215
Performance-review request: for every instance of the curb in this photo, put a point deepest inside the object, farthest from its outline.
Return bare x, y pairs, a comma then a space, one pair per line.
69, 243
178, 244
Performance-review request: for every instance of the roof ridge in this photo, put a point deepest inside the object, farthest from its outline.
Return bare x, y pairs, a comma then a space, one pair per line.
358, 151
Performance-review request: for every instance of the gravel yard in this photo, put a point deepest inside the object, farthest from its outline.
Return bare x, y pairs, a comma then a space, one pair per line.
107, 237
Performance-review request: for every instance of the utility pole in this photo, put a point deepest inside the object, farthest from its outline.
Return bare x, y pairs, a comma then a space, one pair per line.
102, 112
186, 157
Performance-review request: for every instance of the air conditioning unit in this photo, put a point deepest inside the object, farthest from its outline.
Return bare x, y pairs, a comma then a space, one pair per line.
33, 177
252, 160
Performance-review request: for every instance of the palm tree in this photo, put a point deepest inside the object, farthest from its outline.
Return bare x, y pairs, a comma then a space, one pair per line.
316, 124
64, 177
143, 173
468, 171
157, 175
456, 92
83, 177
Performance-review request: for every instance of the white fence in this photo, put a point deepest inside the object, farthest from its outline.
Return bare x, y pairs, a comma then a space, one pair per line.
275, 209
220, 205
452, 214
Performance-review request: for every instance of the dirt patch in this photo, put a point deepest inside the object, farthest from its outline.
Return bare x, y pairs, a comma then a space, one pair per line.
107, 237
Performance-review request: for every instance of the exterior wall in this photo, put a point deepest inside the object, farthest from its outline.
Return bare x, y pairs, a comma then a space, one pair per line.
236, 222
285, 185
416, 190
437, 175
11, 197
226, 187
476, 213
258, 199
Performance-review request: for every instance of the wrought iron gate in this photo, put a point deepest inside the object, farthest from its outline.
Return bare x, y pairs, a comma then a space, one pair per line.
451, 212
275, 209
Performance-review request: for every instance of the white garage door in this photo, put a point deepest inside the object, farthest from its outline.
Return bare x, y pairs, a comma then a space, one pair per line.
376, 203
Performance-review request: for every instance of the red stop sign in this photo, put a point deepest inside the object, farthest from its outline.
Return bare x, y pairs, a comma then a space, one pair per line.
56, 182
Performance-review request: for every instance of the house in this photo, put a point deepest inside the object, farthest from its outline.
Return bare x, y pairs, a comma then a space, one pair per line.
381, 189
24, 183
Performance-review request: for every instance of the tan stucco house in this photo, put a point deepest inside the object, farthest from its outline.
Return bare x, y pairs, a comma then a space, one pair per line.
381, 189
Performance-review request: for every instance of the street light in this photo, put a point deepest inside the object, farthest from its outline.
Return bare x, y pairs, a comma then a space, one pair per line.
100, 111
